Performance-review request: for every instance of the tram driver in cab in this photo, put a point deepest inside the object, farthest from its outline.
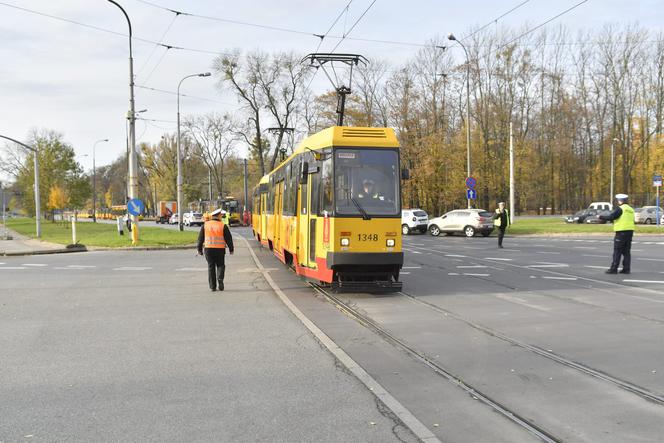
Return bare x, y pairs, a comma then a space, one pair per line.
370, 191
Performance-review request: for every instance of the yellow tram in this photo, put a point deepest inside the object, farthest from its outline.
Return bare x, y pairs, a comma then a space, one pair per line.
332, 210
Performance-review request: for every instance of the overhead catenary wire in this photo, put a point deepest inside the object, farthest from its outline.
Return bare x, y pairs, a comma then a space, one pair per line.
164, 91
495, 20
353, 27
155, 47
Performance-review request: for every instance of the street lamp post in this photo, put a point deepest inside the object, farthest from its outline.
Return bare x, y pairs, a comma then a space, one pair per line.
37, 199
94, 181
453, 38
612, 174
179, 155
131, 116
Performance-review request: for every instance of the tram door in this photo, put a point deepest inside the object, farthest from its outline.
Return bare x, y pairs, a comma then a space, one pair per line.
278, 210
303, 224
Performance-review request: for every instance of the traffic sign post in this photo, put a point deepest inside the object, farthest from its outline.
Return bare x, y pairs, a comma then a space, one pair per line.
657, 183
135, 207
471, 194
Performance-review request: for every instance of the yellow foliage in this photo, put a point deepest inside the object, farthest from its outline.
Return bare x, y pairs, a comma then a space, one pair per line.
57, 198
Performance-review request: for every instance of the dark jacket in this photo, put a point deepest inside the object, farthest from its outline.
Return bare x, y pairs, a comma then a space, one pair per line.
504, 219
614, 215
227, 237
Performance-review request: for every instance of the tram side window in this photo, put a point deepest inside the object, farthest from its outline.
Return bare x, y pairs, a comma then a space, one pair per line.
289, 191
270, 197
315, 197
327, 187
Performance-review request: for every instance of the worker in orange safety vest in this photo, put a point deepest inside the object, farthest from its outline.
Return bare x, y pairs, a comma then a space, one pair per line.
215, 238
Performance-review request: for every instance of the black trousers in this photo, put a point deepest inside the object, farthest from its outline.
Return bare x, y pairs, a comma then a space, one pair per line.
622, 246
216, 265
501, 234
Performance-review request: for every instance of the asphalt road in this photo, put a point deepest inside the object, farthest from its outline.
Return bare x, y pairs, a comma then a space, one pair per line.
132, 346
537, 328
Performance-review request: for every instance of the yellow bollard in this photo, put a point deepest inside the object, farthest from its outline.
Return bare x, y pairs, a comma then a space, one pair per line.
134, 231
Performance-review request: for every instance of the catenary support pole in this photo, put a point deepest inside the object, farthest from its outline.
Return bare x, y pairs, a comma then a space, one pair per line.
511, 175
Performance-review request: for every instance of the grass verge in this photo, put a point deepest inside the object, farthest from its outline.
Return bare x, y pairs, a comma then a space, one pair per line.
558, 226
101, 234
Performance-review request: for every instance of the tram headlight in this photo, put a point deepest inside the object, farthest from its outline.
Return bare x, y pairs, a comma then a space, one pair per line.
345, 241
390, 242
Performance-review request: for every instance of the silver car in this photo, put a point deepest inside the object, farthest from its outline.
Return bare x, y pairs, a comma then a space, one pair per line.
466, 221
647, 215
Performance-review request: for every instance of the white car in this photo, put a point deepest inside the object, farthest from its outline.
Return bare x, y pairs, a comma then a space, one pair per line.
414, 220
647, 215
174, 219
467, 221
192, 218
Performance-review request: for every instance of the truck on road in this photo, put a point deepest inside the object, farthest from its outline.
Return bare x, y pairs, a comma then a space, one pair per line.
165, 210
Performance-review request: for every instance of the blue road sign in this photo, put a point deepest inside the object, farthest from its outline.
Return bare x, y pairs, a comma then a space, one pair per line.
471, 194
135, 206
471, 182
657, 180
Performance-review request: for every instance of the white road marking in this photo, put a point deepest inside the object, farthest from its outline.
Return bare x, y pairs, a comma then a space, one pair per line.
584, 247
645, 281
651, 259
559, 278
471, 266
36, 265
521, 301
132, 268
415, 252
191, 269
476, 275
452, 273
590, 255
9, 268
412, 267
454, 255
547, 252
405, 273
595, 267
512, 250
549, 265
497, 258
81, 266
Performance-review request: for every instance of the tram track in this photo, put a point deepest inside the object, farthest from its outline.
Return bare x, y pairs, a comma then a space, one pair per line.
514, 417
623, 384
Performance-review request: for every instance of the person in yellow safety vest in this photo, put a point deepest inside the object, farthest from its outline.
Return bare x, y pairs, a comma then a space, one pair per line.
501, 221
215, 237
623, 225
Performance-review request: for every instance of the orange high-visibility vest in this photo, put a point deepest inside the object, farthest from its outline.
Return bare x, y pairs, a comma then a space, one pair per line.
214, 234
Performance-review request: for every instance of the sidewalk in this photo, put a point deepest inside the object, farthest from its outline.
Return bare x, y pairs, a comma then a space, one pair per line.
22, 245
120, 346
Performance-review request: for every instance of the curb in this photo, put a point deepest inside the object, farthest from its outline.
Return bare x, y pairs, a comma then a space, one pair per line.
141, 248
43, 252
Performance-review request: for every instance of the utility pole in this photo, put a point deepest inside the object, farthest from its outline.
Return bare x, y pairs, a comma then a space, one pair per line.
453, 38
511, 175
4, 215
246, 189
131, 116
179, 155
210, 185
612, 167
94, 181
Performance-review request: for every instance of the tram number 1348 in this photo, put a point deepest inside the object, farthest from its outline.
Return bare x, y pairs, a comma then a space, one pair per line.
367, 237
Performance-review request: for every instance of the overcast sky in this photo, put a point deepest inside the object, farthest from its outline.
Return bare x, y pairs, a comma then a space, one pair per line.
73, 79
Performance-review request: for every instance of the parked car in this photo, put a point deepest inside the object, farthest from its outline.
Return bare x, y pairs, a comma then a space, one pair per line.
414, 220
466, 221
174, 220
594, 218
647, 215
580, 216
192, 218
601, 206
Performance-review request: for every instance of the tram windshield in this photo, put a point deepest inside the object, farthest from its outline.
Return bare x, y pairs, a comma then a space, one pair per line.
366, 182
